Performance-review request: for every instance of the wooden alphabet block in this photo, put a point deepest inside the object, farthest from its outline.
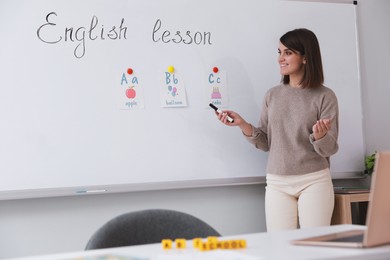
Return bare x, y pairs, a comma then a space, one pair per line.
167, 243
180, 243
196, 242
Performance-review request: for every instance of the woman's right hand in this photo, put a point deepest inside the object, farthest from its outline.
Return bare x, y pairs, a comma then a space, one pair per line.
237, 121
223, 117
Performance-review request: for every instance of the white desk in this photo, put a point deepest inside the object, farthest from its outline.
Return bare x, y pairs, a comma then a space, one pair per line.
272, 245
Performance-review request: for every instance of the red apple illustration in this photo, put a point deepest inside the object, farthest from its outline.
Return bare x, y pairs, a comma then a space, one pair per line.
130, 92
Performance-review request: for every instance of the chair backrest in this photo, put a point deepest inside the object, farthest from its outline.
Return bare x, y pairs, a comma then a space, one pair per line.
147, 227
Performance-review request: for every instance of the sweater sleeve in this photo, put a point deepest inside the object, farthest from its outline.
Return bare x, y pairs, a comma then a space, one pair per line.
259, 134
327, 145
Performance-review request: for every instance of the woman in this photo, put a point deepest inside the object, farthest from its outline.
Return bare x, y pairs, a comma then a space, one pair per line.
299, 127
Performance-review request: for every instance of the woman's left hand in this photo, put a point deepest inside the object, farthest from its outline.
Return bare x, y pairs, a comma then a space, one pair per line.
320, 128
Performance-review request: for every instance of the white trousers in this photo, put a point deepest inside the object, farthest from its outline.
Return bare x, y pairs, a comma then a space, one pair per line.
293, 201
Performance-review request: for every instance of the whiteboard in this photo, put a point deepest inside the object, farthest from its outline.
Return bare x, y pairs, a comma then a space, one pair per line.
66, 122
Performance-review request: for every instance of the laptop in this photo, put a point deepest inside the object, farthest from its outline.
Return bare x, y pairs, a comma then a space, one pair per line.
377, 230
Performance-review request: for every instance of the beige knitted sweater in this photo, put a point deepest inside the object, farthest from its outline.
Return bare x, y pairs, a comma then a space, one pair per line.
287, 117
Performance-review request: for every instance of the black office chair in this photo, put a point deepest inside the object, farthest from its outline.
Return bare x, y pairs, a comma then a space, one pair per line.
147, 227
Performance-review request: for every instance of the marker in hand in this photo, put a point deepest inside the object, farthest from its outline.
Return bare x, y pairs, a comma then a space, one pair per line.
220, 111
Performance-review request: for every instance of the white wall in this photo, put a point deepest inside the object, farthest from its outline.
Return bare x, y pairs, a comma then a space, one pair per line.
50, 225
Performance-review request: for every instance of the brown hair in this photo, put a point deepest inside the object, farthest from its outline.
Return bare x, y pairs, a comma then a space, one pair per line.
305, 43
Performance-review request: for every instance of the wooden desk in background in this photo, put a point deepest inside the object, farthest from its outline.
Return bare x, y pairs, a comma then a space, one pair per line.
342, 213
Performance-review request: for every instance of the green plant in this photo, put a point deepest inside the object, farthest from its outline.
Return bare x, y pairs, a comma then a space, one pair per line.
369, 162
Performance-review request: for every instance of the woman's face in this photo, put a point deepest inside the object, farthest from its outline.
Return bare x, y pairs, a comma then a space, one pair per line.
291, 63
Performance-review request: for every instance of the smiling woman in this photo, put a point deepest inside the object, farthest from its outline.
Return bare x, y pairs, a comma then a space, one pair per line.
198, 38
291, 64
